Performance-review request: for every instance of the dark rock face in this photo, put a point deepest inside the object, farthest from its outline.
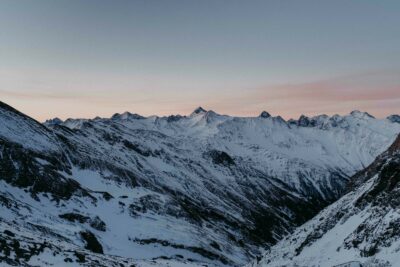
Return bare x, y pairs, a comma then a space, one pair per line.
21, 167
221, 158
92, 243
389, 179
98, 224
73, 217
81, 258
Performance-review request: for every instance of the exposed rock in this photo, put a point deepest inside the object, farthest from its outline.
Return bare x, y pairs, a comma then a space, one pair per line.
221, 158
92, 243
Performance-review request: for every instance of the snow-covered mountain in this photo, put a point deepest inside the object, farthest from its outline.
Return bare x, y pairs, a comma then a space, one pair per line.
361, 227
394, 118
203, 188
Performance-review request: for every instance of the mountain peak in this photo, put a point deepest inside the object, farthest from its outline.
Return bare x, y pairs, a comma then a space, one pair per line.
199, 110
54, 121
304, 121
264, 114
127, 115
360, 114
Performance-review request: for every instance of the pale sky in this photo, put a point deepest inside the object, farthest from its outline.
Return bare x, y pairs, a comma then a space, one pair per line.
90, 58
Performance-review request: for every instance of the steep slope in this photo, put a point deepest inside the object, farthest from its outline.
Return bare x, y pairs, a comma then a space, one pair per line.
362, 226
204, 188
298, 153
49, 213
32, 157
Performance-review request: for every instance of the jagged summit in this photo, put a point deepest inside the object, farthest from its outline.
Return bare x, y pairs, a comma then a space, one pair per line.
53, 122
303, 121
319, 121
264, 114
199, 110
127, 115
361, 114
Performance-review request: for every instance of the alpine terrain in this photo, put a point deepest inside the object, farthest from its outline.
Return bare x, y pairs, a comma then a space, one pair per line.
362, 227
200, 189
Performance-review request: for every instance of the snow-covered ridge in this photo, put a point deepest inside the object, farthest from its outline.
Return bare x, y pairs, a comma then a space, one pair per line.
205, 187
17, 127
303, 121
340, 143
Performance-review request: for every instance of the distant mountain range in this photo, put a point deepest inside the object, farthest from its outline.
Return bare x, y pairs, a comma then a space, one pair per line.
184, 190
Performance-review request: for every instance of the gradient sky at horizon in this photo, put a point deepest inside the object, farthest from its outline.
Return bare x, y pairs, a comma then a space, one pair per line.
90, 58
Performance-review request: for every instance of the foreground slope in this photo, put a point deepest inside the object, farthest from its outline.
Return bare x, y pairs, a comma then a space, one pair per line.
205, 188
362, 226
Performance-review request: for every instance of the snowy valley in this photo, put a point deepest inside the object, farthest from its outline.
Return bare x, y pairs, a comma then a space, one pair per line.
204, 189
362, 226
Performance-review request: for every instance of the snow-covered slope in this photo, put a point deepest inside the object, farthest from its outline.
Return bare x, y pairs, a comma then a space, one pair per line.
18, 128
362, 226
204, 188
296, 152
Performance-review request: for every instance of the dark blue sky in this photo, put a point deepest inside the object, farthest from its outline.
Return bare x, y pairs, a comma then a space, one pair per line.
87, 58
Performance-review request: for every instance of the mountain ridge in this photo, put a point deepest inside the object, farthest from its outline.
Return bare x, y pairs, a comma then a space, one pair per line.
220, 187
200, 110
